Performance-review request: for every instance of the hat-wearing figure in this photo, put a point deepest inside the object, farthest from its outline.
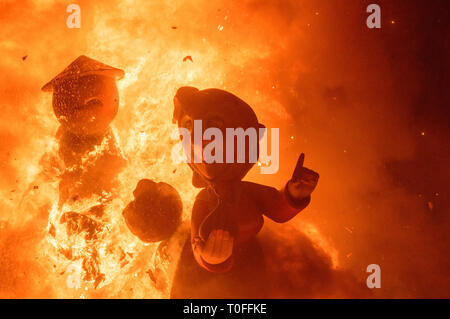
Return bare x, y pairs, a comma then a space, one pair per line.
228, 212
85, 101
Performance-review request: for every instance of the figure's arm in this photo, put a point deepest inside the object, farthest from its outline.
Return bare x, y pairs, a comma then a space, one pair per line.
216, 253
281, 206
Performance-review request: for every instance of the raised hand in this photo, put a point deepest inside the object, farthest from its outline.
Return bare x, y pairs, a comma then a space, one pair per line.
218, 248
303, 181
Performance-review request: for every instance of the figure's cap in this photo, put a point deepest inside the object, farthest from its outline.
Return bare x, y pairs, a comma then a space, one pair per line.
84, 66
228, 105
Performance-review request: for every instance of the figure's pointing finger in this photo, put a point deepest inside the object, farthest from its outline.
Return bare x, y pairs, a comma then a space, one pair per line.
299, 166
301, 159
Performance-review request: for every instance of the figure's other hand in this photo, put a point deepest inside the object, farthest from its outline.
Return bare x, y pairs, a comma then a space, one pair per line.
218, 248
303, 181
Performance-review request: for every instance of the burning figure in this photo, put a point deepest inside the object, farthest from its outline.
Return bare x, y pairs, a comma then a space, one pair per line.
228, 212
85, 101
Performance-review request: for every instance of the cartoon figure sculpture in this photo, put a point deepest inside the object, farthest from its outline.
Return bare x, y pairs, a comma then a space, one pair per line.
85, 101
228, 212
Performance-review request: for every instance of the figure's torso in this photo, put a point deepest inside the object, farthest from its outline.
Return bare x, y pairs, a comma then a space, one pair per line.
237, 212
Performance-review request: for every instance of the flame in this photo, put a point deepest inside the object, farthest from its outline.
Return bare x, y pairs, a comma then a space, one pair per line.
104, 259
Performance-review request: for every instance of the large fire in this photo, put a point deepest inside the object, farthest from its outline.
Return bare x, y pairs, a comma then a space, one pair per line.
85, 254
271, 54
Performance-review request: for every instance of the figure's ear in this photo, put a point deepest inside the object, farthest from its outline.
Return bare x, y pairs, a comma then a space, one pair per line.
260, 136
